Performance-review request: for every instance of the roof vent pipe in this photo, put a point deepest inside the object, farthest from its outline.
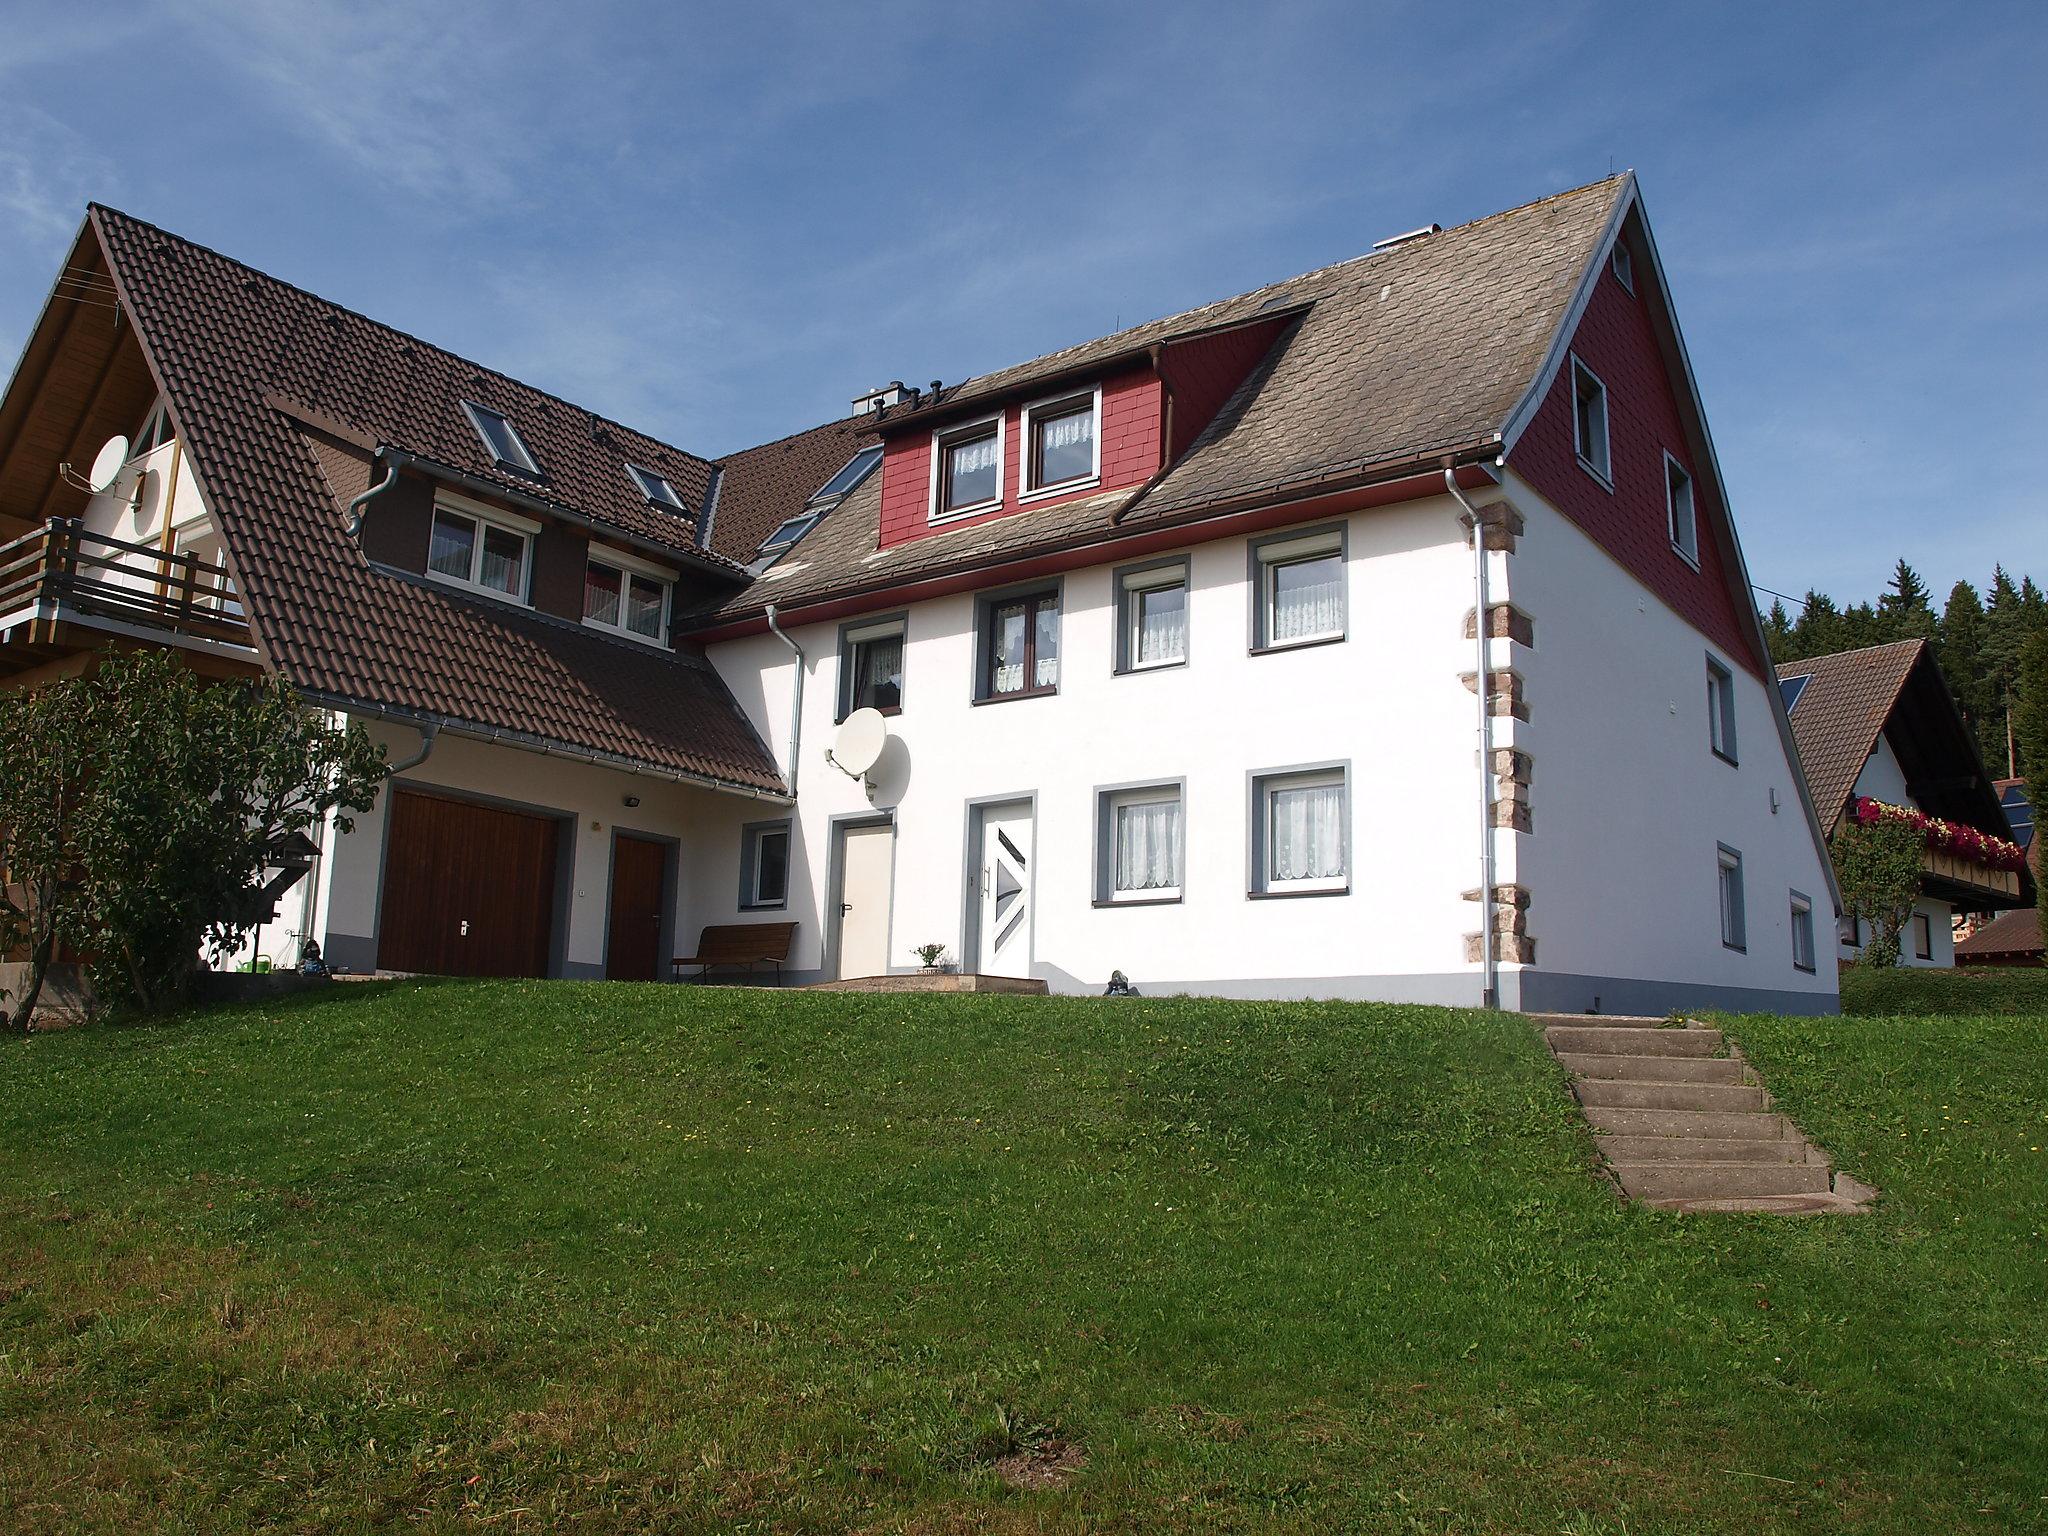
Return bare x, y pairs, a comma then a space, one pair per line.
1402, 239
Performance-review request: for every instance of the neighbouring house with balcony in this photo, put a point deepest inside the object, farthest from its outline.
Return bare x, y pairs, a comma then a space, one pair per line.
1880, 735
1379, 633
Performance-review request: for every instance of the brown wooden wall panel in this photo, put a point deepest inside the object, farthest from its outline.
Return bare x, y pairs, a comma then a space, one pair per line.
559, 556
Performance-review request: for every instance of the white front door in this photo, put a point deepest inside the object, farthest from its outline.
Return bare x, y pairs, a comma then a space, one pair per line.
866, 855
1006, 877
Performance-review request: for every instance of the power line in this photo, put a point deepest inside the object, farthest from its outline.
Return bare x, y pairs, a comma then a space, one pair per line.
1784, 596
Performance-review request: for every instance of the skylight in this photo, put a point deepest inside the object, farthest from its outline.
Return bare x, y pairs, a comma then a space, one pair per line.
1789, 689
656, 489
789, 533
499, 435
857, 469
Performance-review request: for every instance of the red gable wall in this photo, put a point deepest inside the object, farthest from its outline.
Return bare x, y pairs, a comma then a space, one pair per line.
1631, 522
1205, 372
1132, 404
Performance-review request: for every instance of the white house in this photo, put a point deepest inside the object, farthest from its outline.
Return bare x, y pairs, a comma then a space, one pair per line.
1188, 664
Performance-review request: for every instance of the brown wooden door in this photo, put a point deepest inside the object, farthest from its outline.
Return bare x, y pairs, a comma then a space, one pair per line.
632, 950
469, 890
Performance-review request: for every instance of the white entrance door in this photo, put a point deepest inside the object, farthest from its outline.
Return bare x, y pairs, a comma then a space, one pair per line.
1005, 896
865, 857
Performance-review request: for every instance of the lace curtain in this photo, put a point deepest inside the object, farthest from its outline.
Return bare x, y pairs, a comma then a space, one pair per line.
1308, 832
1162, 624
1148, 846
1308, 599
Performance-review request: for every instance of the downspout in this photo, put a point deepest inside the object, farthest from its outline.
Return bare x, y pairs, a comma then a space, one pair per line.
359, 504
1489, 964
796, 701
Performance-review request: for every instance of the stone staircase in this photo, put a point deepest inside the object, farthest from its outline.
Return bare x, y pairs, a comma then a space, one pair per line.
1685, 1124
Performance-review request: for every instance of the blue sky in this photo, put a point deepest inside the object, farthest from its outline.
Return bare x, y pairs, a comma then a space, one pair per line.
718, 223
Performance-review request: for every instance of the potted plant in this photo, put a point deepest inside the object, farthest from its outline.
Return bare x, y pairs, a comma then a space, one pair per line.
931, 957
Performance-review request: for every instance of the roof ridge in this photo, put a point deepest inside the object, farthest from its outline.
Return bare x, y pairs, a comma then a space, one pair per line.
790, 437
94, 207
1855, 650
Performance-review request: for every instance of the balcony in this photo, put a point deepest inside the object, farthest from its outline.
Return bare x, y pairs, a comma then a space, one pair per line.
1950, 877
65, 590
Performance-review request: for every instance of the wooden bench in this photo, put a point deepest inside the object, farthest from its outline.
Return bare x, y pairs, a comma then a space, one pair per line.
739, 944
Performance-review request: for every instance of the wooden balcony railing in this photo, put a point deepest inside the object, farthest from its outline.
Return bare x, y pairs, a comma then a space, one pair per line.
61, 572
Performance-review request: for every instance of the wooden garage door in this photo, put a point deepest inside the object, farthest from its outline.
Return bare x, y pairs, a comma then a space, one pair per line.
469, 890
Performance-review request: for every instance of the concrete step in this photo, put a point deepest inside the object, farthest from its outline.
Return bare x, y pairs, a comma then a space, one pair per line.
1701, 1149
1768, 1205
1721, 1181
1629, 1040
1655, 1069
1748, 1126
1610, 1094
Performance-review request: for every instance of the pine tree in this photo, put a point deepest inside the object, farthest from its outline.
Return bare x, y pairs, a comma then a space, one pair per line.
1906, 612
1819, 630
1959, 647
2005, 636
1778, 633
1861, 626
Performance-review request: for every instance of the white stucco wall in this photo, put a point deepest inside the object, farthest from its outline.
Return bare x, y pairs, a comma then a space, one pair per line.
1630, 802
1883, 779
1387, 700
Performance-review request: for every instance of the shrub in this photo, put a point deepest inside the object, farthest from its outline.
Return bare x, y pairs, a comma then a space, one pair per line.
1877, 864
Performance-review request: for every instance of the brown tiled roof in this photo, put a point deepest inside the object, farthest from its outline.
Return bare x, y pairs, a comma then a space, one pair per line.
1841, 711
1403, 355
2017, 932
761, 488
225, 342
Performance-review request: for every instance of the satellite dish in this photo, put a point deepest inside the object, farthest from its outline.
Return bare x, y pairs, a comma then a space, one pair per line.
106, 469
858, 745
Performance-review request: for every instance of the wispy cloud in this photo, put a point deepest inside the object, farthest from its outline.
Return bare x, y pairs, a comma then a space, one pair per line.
47, 175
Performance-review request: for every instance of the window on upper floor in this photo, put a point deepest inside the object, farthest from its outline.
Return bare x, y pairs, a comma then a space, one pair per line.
1019, 639
1138, 841
1624, 267
1589, 422
1062, 443
656, 489
871, 666
1721, 710
967, 469
1802, 932
1728, 863
1789, 689
787, 533
489, 552
502, 439
625, 599
1685, 531
764, 865
1298, 589
1152, 616
1301, 833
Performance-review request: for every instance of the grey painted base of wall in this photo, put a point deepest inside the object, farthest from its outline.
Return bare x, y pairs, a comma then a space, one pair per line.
352, 952
1560, 992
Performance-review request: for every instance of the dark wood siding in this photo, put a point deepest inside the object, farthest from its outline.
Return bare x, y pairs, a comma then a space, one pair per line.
397, 523
559, 555
469, 890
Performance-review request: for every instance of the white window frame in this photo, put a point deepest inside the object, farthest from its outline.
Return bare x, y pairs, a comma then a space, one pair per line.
1802, 933
1264, 787
944, 437
1029, 489
1268, 555
1623, 261
525, 464
1734, 915
1678, 478
669, 500
1108, 802
752, 835
1130, 581
1721, 736
1603, 468
631, 565
523, 528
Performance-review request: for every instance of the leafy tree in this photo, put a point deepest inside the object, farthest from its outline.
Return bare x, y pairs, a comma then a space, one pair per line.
46, 756
169, 823
1877, 865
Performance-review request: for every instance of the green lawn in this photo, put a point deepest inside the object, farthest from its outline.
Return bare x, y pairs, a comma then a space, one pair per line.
546, 1257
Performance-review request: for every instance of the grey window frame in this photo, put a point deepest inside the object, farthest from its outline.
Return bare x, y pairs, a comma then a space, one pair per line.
1622, 261
1688, 548
901, 619
1721, 738
1728, 861
1261, 782
985, 604
1125, 661
751, 835
1107, 798
525, 464
1603, 470
646, 479
1803, 924
1257, 566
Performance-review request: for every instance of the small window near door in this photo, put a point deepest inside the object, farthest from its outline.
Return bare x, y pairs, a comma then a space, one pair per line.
1721, 710
1298, 590
1301, 833
764, 866
1802, 932
1152, 616
1139, 846
1733, 931
1923, 936
1020, 646
871, 667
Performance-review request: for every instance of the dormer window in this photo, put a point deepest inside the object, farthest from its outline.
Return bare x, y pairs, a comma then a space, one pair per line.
967, 469
656, 489
1062, 443
483, 548
502, 439
621, 595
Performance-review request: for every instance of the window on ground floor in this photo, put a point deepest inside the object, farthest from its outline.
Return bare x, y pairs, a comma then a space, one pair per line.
1923, 936
1802, 932
1301, 832
764, 865
1139, 838
1732, 929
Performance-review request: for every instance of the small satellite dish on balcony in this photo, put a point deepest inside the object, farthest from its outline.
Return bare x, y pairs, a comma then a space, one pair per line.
107, 467
858, 745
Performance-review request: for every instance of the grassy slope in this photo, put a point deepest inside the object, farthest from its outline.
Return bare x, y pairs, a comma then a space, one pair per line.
424, 1255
